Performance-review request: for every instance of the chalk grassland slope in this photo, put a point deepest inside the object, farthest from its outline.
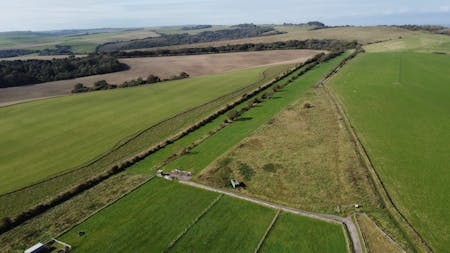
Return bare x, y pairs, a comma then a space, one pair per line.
305, 155
209, 150
80, 44
162, 66
304, 233
146, 220
41, 138
424, 42
151, 217
361, 34
375, 239
399, 105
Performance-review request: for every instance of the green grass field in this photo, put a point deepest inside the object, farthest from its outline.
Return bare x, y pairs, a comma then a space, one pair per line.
148, 219
81, 44
421, 42
145, 221
72, 130
305, 235
219, 143
399, 105
233, 225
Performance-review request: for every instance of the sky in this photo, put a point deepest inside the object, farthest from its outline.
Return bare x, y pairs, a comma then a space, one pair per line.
17, 15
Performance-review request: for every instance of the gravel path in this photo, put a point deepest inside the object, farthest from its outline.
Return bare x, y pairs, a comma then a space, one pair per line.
351, 228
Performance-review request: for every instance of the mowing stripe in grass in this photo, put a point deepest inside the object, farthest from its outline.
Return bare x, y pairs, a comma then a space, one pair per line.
269, 228
172, 244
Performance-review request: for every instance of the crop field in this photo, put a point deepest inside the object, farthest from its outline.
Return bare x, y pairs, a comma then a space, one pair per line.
398, 104
103, 118
164, 67
305, 235
306, 156
208, 151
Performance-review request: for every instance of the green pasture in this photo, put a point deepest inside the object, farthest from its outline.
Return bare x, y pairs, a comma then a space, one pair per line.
146, 220
304, 235
399, 104
232, 225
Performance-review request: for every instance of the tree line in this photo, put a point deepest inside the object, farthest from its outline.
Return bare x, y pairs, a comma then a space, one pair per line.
19, 73
58, 50
104, 85
325, 44
237, 32
6, 53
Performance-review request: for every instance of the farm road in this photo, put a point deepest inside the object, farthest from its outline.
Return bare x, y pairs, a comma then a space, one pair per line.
325, 217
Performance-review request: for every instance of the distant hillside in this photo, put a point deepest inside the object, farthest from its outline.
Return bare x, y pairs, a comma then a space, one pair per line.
237, 32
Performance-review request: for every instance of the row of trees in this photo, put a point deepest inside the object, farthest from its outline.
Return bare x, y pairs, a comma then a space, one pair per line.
241, 31
58, 50
16, 52
325, 44
19, 73
104, 85
195, 27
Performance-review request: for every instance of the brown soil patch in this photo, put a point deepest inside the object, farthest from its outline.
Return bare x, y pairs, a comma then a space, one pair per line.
195, 65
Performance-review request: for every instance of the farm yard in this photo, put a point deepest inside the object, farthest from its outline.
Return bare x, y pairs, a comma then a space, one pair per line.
164, 67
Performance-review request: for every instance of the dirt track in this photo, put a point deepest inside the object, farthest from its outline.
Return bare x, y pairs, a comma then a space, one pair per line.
195, 65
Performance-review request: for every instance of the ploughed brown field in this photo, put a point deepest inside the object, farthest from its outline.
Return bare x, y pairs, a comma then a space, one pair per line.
164, 67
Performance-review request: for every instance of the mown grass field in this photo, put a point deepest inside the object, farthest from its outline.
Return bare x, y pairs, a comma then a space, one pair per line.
399, 105
41, 138
145, 221
305, 235
233, 225
148, 219
305, 155
202, 155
